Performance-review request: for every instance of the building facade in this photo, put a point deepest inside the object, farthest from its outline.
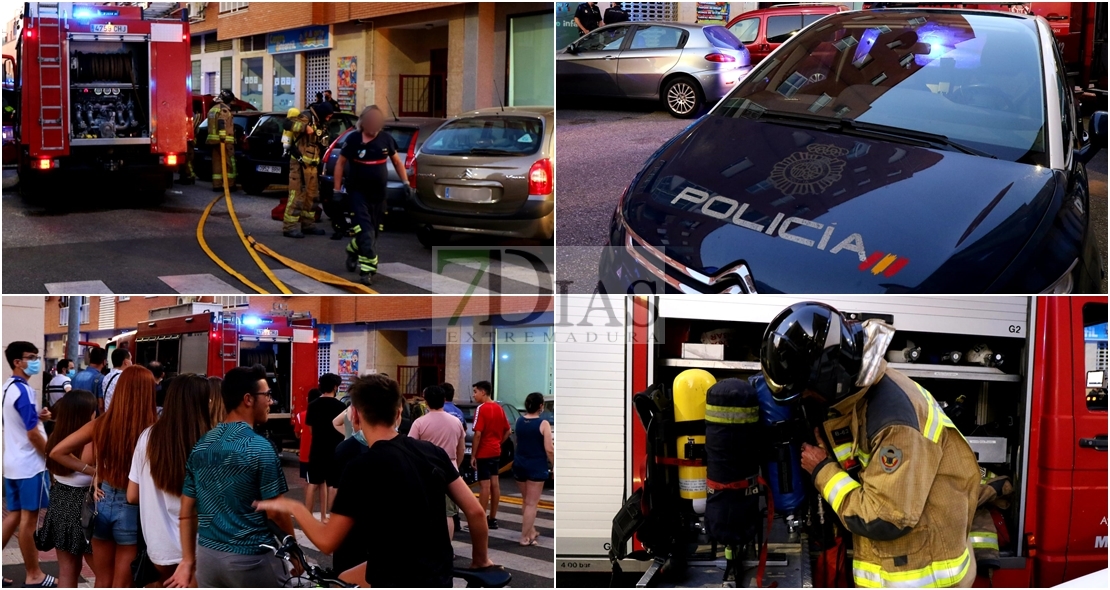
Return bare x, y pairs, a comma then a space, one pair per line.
414, 58
418, 341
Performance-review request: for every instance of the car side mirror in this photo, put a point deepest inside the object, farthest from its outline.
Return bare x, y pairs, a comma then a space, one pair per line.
1096, 137
572, 49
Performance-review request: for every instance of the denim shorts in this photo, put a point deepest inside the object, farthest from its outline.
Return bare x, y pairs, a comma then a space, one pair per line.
116, 520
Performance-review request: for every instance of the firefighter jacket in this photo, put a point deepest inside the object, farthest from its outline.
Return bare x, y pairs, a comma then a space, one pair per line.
221, 125
304, 147
904, 482
993, 491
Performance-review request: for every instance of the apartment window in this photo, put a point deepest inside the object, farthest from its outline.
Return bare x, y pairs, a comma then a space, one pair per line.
212, 44
63, 310
194, 78
230, 7
253, 43
123, 298
195, 44
232, 301
225, 73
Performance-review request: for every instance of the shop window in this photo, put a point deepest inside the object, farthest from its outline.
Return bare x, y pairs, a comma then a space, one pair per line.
531, 70
250, 81
523, 362
285, 81
1095, 355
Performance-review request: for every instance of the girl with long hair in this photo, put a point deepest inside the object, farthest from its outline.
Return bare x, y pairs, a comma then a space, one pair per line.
113, 436
158, 468
216, 408
62, 525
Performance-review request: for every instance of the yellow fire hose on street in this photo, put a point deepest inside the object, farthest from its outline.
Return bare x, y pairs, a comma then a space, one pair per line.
254, 247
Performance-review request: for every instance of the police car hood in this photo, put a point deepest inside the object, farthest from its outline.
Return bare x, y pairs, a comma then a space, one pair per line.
816, 212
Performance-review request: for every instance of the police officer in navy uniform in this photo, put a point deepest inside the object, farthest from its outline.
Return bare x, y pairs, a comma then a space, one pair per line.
367, 152
615, 14
587, 17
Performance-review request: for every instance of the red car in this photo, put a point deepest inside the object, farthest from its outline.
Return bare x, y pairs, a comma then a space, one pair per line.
763, 30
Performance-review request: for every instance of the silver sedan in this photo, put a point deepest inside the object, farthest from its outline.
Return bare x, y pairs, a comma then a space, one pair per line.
682, 65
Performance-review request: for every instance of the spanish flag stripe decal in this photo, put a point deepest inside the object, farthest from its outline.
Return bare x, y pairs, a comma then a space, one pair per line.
871, 260
897, 266
885, 262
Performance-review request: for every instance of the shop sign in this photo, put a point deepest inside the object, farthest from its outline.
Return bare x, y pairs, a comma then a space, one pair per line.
303, 39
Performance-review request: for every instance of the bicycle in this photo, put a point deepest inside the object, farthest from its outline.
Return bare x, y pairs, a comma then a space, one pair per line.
287, 549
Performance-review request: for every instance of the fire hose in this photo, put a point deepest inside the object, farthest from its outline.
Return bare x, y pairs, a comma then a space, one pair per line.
254, 247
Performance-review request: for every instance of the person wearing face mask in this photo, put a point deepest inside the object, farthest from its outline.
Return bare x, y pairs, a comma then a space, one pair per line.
901, 478
367, 154
59, 385
26, 482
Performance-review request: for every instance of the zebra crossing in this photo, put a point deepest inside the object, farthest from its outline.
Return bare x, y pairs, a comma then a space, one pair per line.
392, 277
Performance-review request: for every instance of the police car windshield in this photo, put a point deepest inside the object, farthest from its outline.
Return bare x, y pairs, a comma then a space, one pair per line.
486, 136
974, 79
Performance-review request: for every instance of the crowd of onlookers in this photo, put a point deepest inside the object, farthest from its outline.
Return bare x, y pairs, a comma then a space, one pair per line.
163, 481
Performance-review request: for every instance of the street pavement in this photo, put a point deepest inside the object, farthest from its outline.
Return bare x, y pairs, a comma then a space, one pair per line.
600, 150
93, 241
531, 567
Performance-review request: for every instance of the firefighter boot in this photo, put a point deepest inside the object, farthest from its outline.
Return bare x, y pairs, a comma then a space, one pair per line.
352, 257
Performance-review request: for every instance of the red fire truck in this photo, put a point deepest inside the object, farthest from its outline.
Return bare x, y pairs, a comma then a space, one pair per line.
207, 340
103, 95
1035, 410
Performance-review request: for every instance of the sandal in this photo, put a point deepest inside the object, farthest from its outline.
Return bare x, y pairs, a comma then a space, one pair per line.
48, 582
533, 542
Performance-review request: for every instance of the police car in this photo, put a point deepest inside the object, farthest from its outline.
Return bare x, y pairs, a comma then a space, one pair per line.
884, 151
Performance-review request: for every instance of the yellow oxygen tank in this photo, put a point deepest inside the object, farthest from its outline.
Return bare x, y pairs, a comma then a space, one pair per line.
689, 405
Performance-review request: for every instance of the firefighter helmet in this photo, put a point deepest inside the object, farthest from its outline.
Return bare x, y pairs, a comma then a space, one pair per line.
226, 97
812, 346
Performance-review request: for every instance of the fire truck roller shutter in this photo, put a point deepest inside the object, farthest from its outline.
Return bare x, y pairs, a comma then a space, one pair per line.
690, 387
103, 67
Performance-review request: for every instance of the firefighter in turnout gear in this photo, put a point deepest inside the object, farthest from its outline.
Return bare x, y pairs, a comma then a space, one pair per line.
304, 140
900, 477
221, 136
186, 173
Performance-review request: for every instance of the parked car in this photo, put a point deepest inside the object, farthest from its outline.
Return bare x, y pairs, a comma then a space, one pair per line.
409, 133
763, 30
888, 151
202, 103
262, 163
488, 172
507, 448
202, 152
681, 65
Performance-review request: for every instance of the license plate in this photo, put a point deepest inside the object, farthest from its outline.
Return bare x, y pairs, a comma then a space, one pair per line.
269, 169
109, 28
468, 194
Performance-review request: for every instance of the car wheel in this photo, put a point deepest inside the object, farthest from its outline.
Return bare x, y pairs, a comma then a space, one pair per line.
683, 98
430, 238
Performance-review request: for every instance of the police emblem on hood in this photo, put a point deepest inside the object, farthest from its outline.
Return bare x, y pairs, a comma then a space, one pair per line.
809, 172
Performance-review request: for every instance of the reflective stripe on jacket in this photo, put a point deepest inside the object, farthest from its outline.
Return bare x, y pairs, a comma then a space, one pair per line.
910, 504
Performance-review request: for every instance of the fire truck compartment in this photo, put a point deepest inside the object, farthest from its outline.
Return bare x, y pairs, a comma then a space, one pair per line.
275, 355
109, 91
986, 400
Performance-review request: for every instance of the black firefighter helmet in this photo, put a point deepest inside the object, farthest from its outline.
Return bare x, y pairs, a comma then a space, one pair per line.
226, 96
812, 346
